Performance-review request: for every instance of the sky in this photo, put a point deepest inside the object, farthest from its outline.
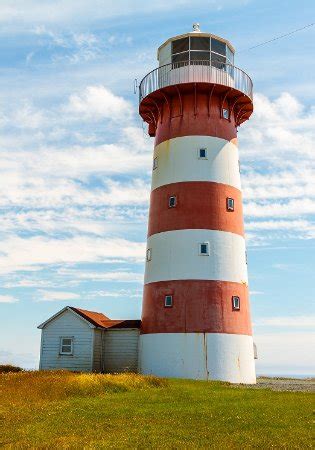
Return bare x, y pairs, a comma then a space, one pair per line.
75, 163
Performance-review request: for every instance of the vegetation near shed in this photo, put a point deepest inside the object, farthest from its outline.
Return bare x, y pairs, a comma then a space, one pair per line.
75, 410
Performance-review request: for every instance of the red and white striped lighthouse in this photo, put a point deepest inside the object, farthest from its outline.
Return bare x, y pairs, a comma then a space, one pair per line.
195, 317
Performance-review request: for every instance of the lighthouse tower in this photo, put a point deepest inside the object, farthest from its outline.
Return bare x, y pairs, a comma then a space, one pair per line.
196, 316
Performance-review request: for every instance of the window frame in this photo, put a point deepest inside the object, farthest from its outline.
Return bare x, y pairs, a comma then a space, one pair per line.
148, 254
228, 207
206, 153
165, 301
236, 307
61, 345
208, 249
155, 163
227, 115
169, 201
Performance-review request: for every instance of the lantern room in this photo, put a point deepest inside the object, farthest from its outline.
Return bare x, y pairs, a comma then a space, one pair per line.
196, 46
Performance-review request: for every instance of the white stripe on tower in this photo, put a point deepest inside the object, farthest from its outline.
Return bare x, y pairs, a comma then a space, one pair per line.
176, 256
178, 161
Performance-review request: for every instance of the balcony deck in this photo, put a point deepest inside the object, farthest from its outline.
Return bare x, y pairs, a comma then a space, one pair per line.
196, 72
232, 84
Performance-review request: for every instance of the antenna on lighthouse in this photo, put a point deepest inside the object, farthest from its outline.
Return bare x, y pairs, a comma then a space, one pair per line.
196, 27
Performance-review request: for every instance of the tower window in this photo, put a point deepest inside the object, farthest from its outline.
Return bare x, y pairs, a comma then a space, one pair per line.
155, 163
172, 201
66, 346
149, 254
202, 153
168, 301
230, 204
236, 303
225, 113
204, 248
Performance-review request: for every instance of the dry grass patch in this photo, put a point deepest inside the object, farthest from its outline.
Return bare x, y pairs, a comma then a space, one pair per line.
37, 387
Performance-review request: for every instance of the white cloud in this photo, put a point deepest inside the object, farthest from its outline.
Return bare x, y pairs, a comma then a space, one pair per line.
287, 321
25, 360
8, 299
17, 252
304, 225
116, 293
290, 208
79, 11
285, 353
98, 103
278, 176
118, 275
52, 296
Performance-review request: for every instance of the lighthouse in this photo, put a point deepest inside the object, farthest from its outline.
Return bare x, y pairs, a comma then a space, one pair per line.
196, 314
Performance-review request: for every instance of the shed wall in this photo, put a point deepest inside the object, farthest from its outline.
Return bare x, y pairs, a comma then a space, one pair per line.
97, 351
67, 325
121, 350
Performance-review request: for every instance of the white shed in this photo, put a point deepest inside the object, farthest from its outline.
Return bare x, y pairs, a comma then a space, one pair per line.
87, 341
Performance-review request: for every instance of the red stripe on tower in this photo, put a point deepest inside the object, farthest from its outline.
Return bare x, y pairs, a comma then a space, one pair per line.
196, 205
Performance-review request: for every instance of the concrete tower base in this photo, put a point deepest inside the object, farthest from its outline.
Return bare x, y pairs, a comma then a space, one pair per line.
199, 356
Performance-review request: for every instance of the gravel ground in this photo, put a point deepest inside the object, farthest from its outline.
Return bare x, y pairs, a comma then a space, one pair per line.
285, 384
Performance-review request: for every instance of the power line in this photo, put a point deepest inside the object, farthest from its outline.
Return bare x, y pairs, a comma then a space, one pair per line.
278, 37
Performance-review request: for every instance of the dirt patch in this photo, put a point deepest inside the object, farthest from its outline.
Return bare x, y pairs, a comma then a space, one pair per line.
285, 384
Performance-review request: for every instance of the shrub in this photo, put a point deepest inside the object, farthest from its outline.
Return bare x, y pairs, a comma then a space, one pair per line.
7, 368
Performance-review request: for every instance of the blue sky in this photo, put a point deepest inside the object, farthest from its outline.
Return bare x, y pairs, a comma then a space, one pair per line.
75, 163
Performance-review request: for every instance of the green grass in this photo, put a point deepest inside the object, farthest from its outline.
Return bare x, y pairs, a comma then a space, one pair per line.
65, 410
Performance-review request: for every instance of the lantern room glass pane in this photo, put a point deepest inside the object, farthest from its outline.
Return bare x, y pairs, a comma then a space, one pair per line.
218, 46
181, 57
229, 55
180, 45
200, 56
200, 43
218, 61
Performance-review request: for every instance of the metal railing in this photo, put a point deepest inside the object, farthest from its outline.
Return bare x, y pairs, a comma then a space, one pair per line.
196, 72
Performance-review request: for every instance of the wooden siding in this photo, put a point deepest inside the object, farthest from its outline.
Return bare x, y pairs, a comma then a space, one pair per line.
121, 350
67, 324
97, 351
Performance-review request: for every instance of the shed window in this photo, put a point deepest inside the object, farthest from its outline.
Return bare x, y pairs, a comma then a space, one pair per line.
149, 254
155, 163
172, 201
230, 204
168, 301
202, 153
66, 346
204, 248
236, 303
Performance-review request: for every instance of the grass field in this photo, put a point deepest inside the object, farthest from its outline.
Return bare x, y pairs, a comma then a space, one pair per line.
65, 410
